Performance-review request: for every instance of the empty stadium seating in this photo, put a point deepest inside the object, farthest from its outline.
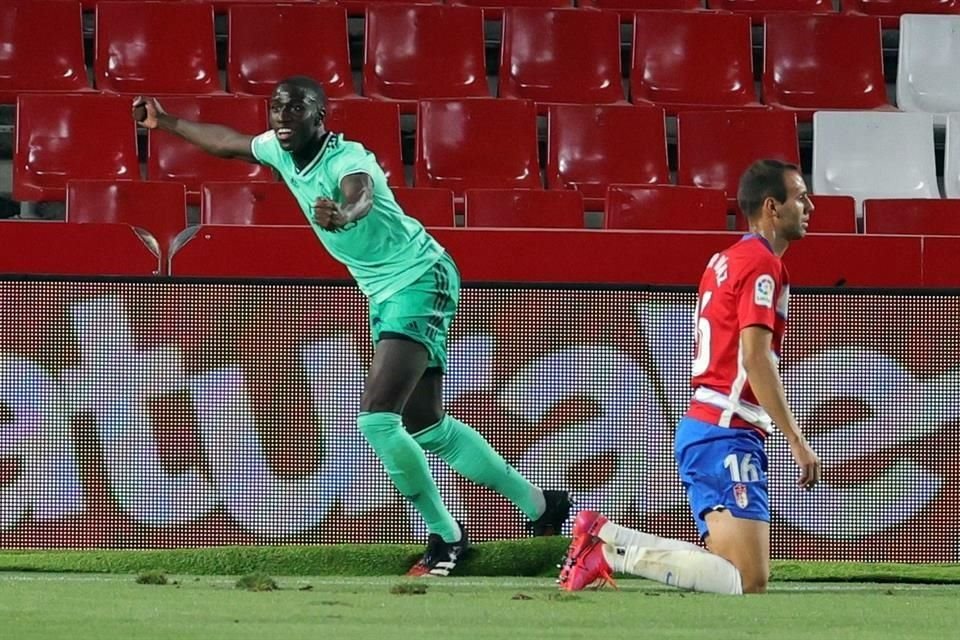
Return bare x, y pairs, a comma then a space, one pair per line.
43, 48
665, 207
590, 147
374, 124
686, 60
159, 208
173, 158
951, 163
561, 56
266, 203
823, 62
477, 143
715, 147
626, 8
874, 155
156, 48
928, 67
398, 40
493, 9
912, 216
890, 11
62, 137
432, 207
529, 208
261, 51
757, 9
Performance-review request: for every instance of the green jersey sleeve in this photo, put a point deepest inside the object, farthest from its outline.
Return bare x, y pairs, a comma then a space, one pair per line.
266, 149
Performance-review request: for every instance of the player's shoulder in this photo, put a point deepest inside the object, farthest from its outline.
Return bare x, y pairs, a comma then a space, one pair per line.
754, 251
342, 146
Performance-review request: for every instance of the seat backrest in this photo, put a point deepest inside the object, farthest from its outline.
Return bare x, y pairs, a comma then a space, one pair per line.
890, 11
714, 148
99, 249
249, 203
531, 208
374, 124
874, 155
912, 217
159, 208
170, 157
432, 207
831, 214
665, 207
951, 161
823, 61
560, 55
261, 51
477, 143
928, 68
156, 48
626, 8
60, 137
590, 147
43, 42
690, 58
415, 52
757, 9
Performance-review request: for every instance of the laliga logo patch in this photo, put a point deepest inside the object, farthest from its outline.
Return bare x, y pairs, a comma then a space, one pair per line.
740, 495
763, 291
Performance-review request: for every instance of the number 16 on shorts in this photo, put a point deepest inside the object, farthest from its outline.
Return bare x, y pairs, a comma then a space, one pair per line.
741, 469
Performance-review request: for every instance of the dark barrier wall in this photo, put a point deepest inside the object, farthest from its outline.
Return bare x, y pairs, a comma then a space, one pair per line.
168, 413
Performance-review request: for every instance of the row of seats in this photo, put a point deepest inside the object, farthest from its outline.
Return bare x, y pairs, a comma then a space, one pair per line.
460, 145
681, 60
483, 255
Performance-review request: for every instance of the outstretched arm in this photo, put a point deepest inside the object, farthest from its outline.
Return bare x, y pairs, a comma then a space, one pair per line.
357, 200
213, 138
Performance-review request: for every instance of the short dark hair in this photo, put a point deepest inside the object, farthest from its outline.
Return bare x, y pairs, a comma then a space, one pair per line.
763, 179
307, 84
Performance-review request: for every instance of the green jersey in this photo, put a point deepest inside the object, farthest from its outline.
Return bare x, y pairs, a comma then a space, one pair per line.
385, 250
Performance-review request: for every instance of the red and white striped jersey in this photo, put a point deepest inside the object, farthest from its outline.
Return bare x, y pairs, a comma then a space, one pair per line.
745, 285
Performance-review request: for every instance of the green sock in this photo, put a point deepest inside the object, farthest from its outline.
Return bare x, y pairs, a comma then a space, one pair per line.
407, 467
468, 453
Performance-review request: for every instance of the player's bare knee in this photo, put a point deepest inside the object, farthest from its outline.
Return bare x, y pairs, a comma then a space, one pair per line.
754, 584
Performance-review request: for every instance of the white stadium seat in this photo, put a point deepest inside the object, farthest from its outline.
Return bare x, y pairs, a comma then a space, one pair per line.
928, 70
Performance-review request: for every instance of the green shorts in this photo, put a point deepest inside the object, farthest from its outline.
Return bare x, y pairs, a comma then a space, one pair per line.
421, 312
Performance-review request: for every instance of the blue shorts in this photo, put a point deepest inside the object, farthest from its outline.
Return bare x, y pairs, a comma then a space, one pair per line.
722, 468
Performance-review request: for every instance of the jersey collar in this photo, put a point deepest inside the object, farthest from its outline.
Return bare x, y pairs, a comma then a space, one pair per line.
764, 241
327, 143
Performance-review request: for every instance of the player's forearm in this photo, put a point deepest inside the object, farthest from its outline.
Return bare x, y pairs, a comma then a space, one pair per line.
212, 138
768, 387
358, 197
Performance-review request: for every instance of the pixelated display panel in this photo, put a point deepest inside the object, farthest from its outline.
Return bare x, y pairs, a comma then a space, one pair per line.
163, 414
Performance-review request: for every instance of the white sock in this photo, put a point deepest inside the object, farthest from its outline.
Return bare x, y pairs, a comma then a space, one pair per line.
683, 568
624, 537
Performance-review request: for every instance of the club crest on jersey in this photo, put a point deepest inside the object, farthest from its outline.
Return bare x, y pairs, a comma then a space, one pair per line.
740, 495
763, 291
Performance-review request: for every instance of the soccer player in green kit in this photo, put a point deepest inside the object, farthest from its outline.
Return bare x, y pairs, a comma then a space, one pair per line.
412, 286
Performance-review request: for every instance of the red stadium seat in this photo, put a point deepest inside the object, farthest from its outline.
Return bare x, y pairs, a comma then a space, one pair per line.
432, 207
626, 8
889, 11
757, 9
493, 9
687, 60
172, 158
156, 48
279, 252
249, 203
530, 208
590, 147
61, 137
823, 62
415, 52
374, 124
831, 214
915, 216
59, 248
665, 207
561, 56
43, 42
715, 147
159, 208
261, 52
358, 8
479, 143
